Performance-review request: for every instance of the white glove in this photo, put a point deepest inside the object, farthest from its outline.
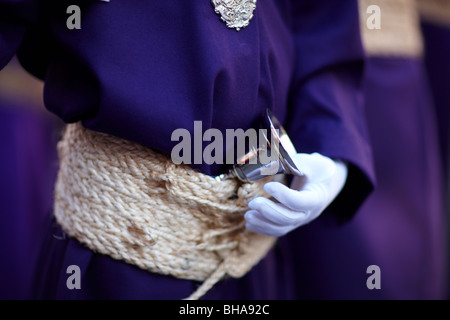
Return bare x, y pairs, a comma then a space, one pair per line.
307, 198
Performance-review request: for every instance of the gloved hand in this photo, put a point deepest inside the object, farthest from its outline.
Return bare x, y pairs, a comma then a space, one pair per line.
304, 201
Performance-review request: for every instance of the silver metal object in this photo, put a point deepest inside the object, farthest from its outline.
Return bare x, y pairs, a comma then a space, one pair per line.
235, 13
272, 158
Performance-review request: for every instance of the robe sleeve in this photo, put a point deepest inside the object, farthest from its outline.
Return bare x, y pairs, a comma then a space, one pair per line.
326, 109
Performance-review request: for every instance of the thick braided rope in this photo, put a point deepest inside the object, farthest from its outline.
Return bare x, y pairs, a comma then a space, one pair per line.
400, 33
124, 200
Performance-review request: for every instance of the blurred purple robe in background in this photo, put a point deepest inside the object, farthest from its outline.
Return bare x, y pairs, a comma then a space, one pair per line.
437, 46
401, 228
28, 165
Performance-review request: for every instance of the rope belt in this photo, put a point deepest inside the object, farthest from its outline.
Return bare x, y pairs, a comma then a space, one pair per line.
124, 200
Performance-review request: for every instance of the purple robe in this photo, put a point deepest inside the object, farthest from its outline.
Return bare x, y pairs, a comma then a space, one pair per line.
141, 69
437, 44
